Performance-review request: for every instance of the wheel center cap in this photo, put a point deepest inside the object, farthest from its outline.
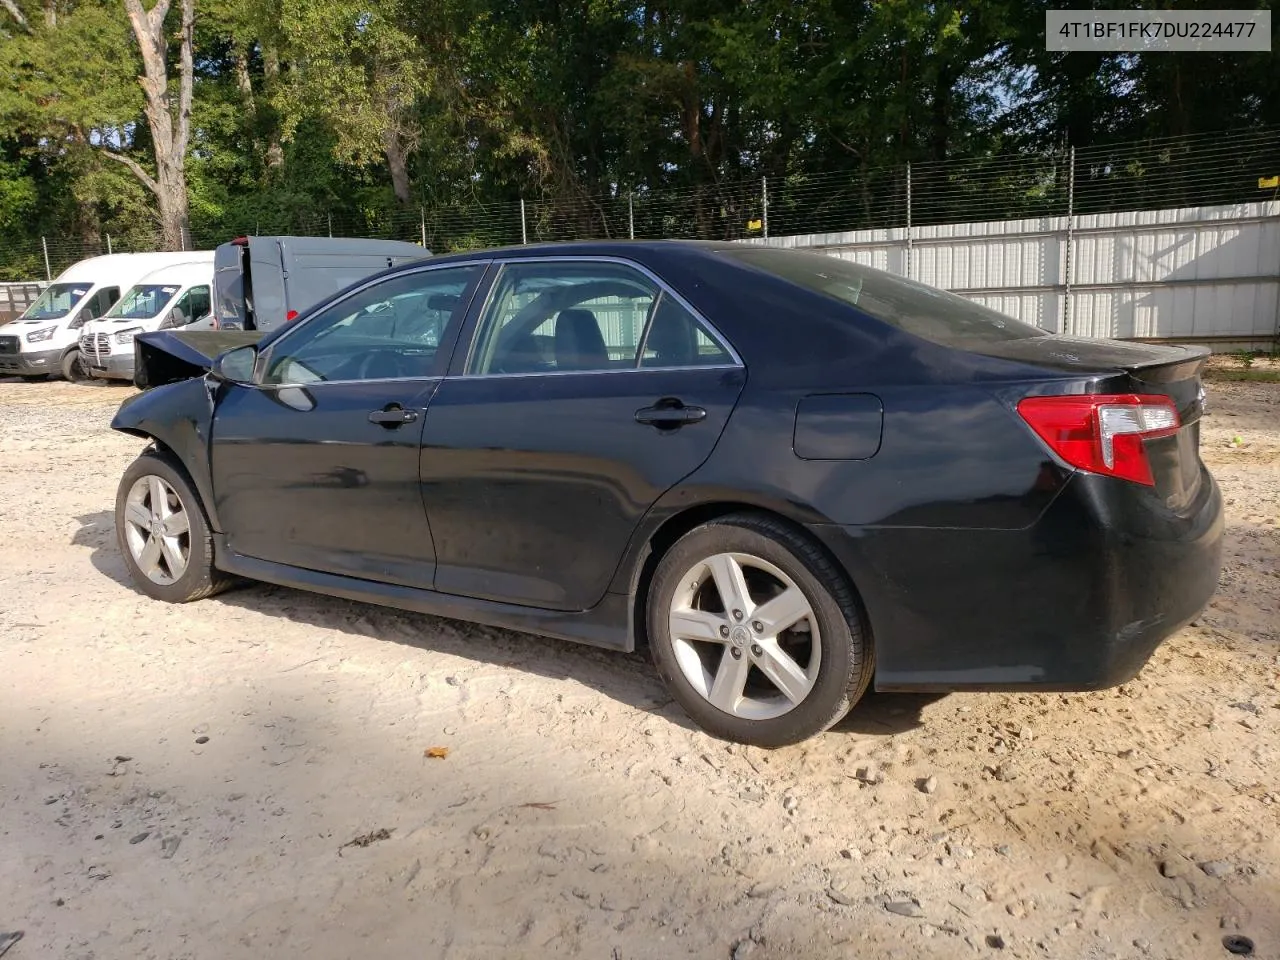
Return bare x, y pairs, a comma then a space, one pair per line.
739, 636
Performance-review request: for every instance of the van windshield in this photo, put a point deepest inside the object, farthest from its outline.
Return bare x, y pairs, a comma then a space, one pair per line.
924, 311
56, 301
142, 302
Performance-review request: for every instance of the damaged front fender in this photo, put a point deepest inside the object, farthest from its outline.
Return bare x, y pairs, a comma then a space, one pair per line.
178, 417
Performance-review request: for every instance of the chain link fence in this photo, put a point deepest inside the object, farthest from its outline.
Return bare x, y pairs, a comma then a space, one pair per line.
1209, 169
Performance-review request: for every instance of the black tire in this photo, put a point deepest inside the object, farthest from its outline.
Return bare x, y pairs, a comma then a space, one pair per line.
200, 579
73, 370
845, 661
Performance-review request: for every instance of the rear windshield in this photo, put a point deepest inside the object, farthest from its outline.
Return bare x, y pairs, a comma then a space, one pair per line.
914, 307
142, 302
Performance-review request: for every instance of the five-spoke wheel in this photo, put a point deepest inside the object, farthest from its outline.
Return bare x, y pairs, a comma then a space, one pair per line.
163, 533
157, 529
744, 636
756, 632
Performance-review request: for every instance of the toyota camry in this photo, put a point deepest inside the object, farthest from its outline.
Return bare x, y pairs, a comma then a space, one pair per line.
789, 475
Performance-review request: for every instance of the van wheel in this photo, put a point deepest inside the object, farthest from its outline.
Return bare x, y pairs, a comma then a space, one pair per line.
73, 369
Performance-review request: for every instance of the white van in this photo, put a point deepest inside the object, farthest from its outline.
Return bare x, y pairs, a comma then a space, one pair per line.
177, 295
45, 339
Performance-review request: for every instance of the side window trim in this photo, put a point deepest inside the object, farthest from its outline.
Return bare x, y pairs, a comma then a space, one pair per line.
263, 362
474, 326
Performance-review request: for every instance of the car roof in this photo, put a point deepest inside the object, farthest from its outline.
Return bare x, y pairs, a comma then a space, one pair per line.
628, 249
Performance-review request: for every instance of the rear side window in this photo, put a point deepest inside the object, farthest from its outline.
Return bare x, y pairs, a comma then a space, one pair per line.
677, 339
564, 316
918, 309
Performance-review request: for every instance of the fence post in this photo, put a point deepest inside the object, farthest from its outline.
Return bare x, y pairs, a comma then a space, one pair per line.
524, 229
48, 274
631, 216
1071, 229
764, 206
329, 217
422, 218
909, 249
108, 243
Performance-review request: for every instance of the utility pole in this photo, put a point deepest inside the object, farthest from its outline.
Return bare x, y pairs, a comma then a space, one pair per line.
909, 248
764, 206
1071, 229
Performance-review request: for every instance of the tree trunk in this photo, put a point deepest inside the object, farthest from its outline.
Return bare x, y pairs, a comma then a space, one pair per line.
169, 134
941, 114
15, 13
271, 74
397, 162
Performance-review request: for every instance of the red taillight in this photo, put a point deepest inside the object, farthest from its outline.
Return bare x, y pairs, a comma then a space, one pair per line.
1102, 434
291, 316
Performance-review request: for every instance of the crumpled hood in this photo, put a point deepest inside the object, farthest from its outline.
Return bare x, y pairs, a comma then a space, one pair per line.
166, 356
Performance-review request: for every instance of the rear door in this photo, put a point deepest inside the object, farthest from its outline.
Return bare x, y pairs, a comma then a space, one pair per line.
588, 390
315, 465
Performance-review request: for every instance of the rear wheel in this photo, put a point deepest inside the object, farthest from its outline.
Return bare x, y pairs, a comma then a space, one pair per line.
73, 368
756, 633
163, 533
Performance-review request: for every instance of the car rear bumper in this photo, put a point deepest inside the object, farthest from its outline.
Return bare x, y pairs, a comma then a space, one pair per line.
32, 363
1078, 601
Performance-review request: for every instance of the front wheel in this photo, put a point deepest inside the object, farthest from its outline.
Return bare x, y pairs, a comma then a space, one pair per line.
73, 368
756, 633
163, 533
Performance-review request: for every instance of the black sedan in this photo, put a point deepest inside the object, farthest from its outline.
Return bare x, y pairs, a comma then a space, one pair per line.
789, 474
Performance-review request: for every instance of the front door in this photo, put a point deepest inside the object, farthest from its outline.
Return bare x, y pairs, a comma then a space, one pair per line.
315, 465
588, 392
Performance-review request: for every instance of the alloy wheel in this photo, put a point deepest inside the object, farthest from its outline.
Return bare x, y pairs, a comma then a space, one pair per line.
745, 636
157, 529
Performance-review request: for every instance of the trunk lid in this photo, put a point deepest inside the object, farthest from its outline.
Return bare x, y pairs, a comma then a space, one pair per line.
1126, 367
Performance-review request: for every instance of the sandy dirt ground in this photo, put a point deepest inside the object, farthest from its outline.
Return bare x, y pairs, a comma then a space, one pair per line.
179, 782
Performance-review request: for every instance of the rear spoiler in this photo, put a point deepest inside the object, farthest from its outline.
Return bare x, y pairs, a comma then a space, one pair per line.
167, 356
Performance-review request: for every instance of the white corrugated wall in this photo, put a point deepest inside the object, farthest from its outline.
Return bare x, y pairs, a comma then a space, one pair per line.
1210, 273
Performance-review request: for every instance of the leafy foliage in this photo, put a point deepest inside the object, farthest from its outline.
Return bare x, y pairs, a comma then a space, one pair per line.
666, 114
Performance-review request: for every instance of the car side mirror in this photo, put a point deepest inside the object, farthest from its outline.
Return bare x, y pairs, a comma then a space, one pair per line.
83, 317
236, 366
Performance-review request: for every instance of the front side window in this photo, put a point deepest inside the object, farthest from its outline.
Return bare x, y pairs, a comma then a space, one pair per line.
104, 300
56, 301
390, 330
191, 306
143, 302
